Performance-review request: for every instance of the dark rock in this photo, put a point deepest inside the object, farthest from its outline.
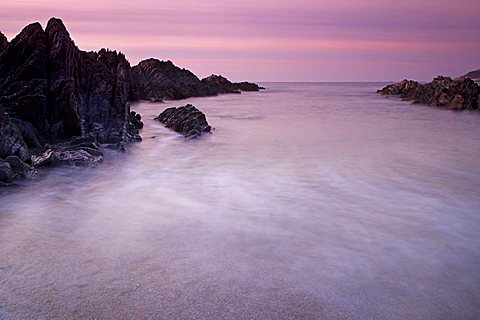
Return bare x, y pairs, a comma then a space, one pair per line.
79, 151
186, 120
11, 141
29, 134
457, 94
20, 168
63, 91
221, 84
3, 42
248, 86
7, 175
23, 77
157, 80
474, 75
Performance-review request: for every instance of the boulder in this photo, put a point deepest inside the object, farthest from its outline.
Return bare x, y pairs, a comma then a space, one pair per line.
457, 94
7, 175
11, 140
20, 168
186, 120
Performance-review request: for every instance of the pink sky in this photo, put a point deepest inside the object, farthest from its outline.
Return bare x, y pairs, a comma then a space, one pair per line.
274, 40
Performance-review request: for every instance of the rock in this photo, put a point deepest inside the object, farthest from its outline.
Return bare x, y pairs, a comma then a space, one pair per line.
157, 80
221, 84
3, 42
78, 151
186, 120
474, 75
11, 140
7, 175
62, 91
457, 94
248, 86
29, 134
20, 168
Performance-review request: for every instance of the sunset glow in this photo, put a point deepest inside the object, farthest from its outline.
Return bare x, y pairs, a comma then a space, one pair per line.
274, 40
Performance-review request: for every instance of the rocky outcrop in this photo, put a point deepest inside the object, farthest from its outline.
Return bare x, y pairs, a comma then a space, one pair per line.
52, 92
3, 42
157, 80
11, 140
456, 94
14, 154
186, 120
77, 151
63, 91
221, 84
474, 75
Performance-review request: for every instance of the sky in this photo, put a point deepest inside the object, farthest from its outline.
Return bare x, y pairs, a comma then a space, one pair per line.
274, 40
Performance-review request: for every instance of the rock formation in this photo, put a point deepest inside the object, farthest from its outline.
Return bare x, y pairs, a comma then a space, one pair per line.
157, 80
474, 75
50, 91
3, 42
221, 84
186, 120
457, 94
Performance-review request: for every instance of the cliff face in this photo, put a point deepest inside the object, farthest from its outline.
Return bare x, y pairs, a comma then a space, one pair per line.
458, 94
63, 91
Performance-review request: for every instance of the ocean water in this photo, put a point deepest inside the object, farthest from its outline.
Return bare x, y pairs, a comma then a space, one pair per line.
308, 201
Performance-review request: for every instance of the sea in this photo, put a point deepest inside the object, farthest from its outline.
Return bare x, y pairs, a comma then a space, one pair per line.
307, 201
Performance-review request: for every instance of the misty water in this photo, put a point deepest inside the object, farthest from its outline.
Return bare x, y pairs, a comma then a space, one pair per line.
308, 201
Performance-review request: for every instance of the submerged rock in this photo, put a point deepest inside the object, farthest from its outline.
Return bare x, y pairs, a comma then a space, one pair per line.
186, 120
457, 94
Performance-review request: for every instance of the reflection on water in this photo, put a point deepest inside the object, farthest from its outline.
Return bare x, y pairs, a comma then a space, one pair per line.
308, 201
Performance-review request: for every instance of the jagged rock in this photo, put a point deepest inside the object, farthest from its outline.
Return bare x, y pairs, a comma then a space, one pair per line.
79, 151
458, 94
221, 84
186, 120
474, 75
11, 141
63, 91
248, 86
23, 77
156, 80
7, 175
3, 42
20, 168
29, 134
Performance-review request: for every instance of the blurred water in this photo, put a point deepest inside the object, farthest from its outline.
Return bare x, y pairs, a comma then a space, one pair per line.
308, 201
